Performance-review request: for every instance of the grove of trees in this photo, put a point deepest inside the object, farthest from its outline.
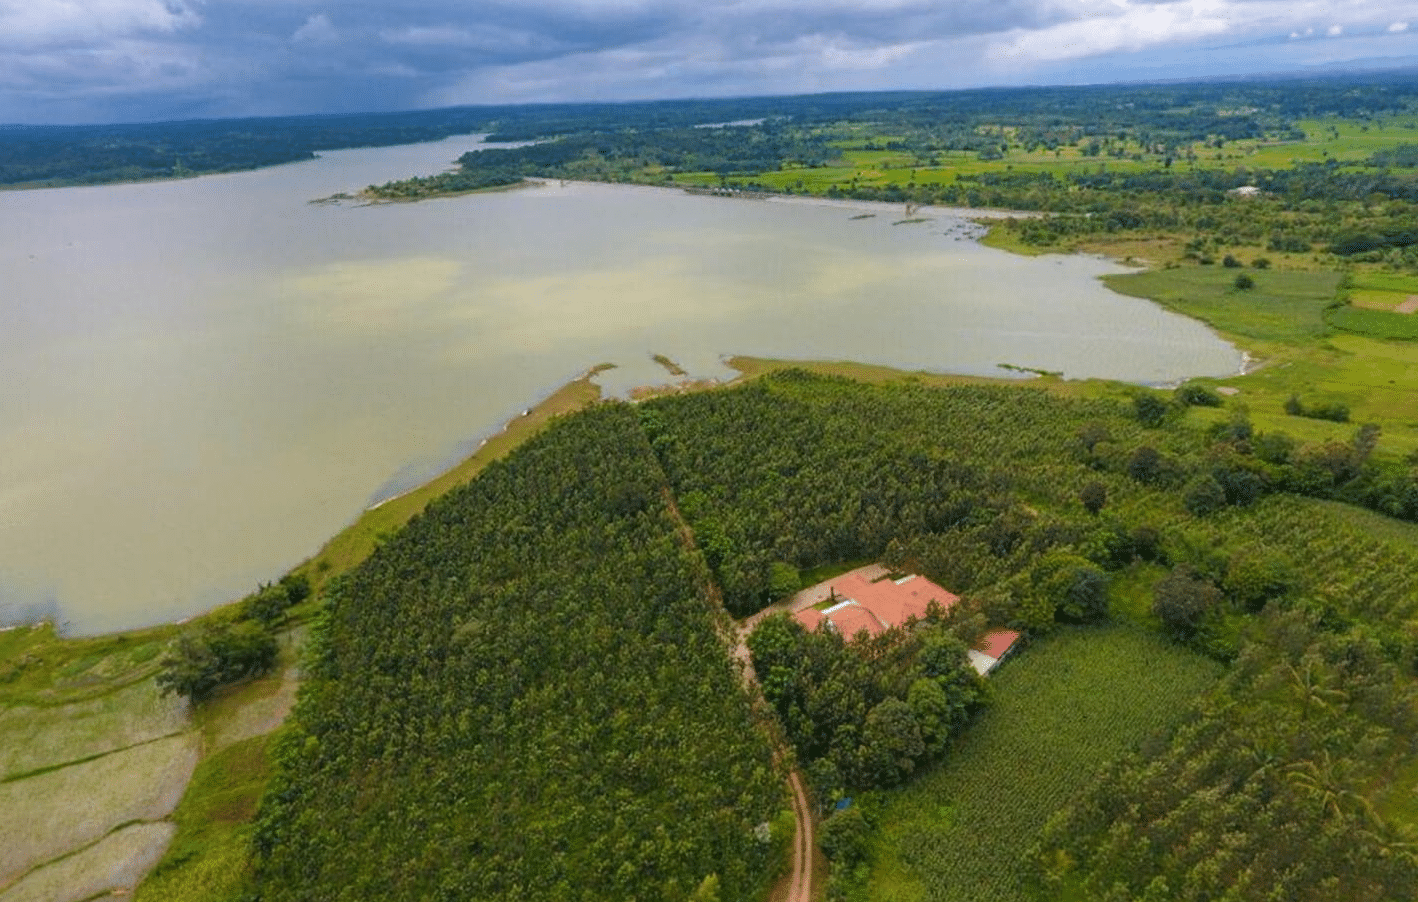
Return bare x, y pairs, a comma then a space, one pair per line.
528, 693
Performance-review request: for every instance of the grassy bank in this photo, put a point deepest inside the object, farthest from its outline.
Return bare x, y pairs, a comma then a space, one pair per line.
354, 543
93, 760
1288, 324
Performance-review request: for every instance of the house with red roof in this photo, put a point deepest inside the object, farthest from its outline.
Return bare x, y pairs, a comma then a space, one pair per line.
861, 604
992, 649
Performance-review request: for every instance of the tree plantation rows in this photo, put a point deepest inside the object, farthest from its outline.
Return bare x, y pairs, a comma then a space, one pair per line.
526, 693
523, 695
1292, 781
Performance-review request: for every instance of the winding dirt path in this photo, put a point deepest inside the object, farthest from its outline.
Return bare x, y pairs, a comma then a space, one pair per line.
800, 881
800, 887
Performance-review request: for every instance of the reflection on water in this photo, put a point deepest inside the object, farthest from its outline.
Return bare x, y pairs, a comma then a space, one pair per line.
203, 380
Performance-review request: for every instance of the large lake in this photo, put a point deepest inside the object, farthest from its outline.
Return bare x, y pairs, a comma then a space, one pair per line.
201, 381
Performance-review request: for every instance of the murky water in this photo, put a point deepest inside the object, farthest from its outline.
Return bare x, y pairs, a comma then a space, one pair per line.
201, 381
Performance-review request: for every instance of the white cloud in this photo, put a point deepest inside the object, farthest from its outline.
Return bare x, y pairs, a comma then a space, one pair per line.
317, 29
38, 23
482, 37
1117, 25
236, 58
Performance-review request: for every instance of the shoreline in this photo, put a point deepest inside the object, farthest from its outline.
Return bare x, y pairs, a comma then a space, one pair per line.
809, 200
346, 547
463, 462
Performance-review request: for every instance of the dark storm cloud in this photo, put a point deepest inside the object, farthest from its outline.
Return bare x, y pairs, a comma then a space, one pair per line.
87, 60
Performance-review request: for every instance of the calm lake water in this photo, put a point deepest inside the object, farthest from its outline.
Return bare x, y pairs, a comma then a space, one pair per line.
201, 381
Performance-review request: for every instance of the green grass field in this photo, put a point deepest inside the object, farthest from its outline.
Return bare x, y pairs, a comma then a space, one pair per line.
1287, 323
207, 858
1284, 306
1351, 143
1061, 710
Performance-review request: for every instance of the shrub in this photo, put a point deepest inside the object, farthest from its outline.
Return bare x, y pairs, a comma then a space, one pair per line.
845, 837
1151, 410
214, 656
1182, 600
1335, 412
1194, 395
1204, 495
1244, 282
1094, 496
1145, 464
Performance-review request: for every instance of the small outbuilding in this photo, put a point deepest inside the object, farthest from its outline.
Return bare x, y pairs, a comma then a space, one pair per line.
992, 649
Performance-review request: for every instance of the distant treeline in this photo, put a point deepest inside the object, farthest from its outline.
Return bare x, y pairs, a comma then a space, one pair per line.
1162, 118
1363, 212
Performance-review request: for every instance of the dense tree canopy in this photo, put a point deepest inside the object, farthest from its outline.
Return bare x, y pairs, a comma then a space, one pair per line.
527, 693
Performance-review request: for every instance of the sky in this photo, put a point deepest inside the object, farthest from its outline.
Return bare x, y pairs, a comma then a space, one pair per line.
70, 61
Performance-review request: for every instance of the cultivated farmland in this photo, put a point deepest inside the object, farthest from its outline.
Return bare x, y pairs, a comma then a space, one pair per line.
1061, 711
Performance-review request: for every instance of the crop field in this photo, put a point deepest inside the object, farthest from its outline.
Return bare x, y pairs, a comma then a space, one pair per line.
1381, 290
1383, 324
1345, 141
114, 862
34, 738
1377, 299
1369, 562
1062, 709
71, 807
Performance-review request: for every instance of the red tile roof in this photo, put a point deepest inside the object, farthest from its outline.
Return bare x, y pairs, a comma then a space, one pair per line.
851, 619
861, 604
997, 643
892, 602
809, 618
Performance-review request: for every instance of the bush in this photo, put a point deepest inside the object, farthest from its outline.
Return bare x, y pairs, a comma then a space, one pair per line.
1182, 600
1204, 495
845, 837
1194, 395
1336, 412
216, 655
1146, 464
1231, 262
783, 580
1094, 496
1150, 409
1244, 282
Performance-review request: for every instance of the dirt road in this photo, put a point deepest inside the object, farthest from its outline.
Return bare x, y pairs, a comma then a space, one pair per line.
800, 887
